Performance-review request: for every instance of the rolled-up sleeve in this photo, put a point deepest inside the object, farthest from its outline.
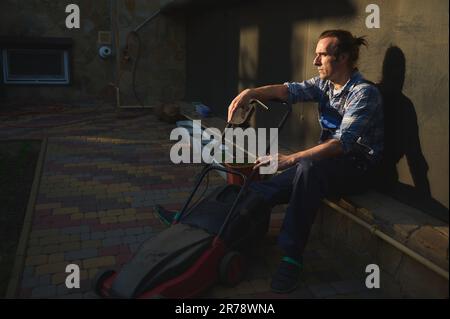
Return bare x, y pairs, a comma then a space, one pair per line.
305, 91
361, 109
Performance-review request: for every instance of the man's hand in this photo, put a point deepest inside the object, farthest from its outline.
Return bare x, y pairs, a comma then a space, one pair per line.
284, 161
277, 92
244, 98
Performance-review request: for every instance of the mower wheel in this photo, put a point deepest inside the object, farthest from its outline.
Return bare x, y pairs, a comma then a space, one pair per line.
231, 269
99, 281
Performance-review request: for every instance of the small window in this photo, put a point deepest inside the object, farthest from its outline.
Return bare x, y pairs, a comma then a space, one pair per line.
36, 66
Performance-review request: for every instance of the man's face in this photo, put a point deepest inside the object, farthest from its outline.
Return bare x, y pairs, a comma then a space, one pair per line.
328, 65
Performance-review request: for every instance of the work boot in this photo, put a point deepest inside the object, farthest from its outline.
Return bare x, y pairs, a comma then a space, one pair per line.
287, 276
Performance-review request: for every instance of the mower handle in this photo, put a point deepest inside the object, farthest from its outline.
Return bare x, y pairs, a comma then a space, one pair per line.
204, 172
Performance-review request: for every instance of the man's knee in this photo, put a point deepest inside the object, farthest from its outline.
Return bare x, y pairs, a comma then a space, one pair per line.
311, 169
305, 165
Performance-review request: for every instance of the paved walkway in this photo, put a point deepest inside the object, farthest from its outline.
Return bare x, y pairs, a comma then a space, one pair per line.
102, 174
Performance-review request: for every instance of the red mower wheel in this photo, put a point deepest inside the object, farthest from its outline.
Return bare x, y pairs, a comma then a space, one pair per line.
231, 269
99, 282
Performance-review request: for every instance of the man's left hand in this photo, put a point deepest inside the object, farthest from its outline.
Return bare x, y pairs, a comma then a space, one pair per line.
284, 161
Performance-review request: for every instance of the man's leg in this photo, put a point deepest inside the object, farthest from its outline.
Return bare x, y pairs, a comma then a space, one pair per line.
312, 182
276, 190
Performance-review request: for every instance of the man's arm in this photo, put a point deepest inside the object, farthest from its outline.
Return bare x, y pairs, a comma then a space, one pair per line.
265, 93
328, 149
270, 92
293, 92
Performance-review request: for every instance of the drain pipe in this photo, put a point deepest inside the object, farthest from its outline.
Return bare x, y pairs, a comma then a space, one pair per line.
374, 230
115, 32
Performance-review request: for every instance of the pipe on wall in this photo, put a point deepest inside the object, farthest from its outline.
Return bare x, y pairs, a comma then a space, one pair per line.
374, 230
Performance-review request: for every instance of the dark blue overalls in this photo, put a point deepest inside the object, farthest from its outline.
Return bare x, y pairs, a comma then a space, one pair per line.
304, 185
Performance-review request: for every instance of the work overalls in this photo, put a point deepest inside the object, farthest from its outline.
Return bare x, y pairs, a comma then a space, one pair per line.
305, 184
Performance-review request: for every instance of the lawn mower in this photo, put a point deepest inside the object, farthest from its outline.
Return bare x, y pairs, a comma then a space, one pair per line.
206, 242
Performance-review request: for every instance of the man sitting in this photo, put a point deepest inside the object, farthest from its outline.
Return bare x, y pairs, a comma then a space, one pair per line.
351, 144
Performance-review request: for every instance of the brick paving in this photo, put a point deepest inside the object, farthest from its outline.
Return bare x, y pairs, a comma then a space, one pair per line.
101, 177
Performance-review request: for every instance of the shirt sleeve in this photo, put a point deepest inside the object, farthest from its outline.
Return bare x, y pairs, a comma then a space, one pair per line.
361, 108
305, 91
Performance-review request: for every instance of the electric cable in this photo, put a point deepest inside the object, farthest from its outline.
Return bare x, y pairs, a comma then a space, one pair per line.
135, 63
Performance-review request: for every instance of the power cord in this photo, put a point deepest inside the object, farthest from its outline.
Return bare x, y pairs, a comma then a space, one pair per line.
127, 57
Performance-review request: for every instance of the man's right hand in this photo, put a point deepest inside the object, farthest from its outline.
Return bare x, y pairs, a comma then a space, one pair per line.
244, 98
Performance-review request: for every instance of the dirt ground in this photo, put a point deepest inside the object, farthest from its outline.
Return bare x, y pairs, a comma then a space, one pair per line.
17, 166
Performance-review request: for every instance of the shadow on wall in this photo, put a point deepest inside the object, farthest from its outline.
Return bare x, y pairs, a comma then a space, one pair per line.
402, 139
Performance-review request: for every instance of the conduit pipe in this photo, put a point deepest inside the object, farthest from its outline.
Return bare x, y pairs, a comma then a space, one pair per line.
374, 230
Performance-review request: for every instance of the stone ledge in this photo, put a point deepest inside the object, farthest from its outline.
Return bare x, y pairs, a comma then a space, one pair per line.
416, 230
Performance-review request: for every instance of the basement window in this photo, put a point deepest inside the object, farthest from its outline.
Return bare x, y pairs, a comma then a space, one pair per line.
36, 61
21, 66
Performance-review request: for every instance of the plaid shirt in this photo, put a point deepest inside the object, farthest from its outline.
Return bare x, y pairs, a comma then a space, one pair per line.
353, 115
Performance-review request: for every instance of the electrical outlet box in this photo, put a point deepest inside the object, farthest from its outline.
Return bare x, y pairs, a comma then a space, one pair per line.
104, 38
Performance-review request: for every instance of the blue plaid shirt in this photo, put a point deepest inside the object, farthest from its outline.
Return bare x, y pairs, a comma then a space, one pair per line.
353, 115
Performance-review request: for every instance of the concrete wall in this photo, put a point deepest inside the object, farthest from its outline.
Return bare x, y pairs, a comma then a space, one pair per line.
265, 42
160, 71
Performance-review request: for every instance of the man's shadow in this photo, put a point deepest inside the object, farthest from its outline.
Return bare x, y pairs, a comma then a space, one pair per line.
402, 139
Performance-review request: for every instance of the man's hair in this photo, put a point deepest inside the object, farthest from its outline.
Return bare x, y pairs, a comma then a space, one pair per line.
347, 43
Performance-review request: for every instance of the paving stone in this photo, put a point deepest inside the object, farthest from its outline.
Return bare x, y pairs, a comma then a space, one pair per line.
51, 268
55, 258
348, 286
76, 230
69, 295
148, 229
126, 218
327, 276
112, 241
108, 220
91, 215
47, 206
36, 260
129, 239
55, 239
28, 271
30, 282
143, 237
260, 285
114, 233
50, 249
85, 236
44, 292
134, 247
322, 290
245, 287
69, 246
44, 232
34, 250
77, 216
134, 231
97, 235
301, 293
145, 216
81, 254
65, 210
91, 244
99, 262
